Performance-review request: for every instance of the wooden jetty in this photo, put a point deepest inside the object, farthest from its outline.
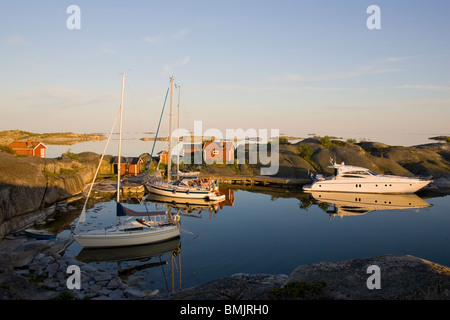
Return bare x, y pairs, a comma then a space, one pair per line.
259, 180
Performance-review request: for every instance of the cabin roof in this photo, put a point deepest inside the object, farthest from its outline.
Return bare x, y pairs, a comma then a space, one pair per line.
127, 160
227, 145
26, 145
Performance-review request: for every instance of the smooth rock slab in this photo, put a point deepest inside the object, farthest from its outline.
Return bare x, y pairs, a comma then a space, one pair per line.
237, 287
401, 277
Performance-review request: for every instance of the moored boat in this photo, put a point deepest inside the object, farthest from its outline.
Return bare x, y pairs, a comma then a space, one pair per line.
185, 188
40, 234
128, 233
348, 178
132, 233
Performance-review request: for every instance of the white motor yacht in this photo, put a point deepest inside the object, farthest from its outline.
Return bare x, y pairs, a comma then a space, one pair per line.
361, 180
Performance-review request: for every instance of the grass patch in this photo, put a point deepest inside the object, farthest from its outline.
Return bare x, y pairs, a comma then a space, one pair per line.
66, 295
326, 142
250, 169
281, 140
235, 166
305, 151
71, 155
67, 171
35, 279
297, 290
7, 149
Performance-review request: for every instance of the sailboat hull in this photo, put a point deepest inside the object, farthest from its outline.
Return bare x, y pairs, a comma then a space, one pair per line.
181, 192
115, 237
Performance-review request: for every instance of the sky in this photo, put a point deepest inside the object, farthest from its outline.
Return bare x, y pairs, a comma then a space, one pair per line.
302, 67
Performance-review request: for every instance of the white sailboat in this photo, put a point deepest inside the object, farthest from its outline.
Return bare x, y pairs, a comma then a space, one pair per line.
128, 233
194, 188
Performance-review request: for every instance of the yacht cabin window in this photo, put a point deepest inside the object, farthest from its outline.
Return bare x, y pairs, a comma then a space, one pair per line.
360, 172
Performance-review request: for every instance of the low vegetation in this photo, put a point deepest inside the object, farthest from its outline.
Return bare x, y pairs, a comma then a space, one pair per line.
326, 142
305, 151
297, 290
71, 155
7, 149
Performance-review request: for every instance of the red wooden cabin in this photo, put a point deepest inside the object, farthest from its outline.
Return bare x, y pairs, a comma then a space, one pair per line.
29, 148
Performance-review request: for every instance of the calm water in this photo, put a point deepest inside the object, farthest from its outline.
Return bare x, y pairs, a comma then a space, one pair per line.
132, 146
273, 231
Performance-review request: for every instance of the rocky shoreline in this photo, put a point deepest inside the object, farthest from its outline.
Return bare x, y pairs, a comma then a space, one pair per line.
35, 270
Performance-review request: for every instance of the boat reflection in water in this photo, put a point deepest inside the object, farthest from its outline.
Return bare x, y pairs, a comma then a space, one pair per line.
351, 204
188, 206
146, 256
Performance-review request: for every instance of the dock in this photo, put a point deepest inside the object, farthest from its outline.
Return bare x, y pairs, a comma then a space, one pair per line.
260, 180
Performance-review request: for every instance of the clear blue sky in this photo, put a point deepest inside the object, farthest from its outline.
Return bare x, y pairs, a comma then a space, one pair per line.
298, 66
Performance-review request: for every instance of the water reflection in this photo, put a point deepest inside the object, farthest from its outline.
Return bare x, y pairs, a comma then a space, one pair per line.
189, 206
143, 256
351, 204
220, 239
136, 262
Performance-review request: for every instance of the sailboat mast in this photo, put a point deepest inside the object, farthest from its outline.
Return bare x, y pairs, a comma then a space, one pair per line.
120, 140
178, 136
169, 160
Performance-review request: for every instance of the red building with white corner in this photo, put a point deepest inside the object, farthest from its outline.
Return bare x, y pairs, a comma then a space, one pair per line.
29, 148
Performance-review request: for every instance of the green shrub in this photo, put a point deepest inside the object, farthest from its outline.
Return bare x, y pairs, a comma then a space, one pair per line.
283, 140
296, 290
7, 149
71, 155
305, 151
326, 142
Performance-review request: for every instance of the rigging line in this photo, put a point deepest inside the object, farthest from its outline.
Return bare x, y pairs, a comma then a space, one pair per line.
133, 103
157, 130
164, 274
83, 211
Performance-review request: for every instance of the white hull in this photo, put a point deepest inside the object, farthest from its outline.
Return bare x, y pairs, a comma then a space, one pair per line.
361, 180
164, 189
116, 237
359, 186
184, 201
394, 185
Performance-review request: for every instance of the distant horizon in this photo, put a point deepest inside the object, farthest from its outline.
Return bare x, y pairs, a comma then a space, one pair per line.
400, 139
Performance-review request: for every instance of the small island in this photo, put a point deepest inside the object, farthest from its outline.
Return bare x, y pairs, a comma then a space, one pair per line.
57, 138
